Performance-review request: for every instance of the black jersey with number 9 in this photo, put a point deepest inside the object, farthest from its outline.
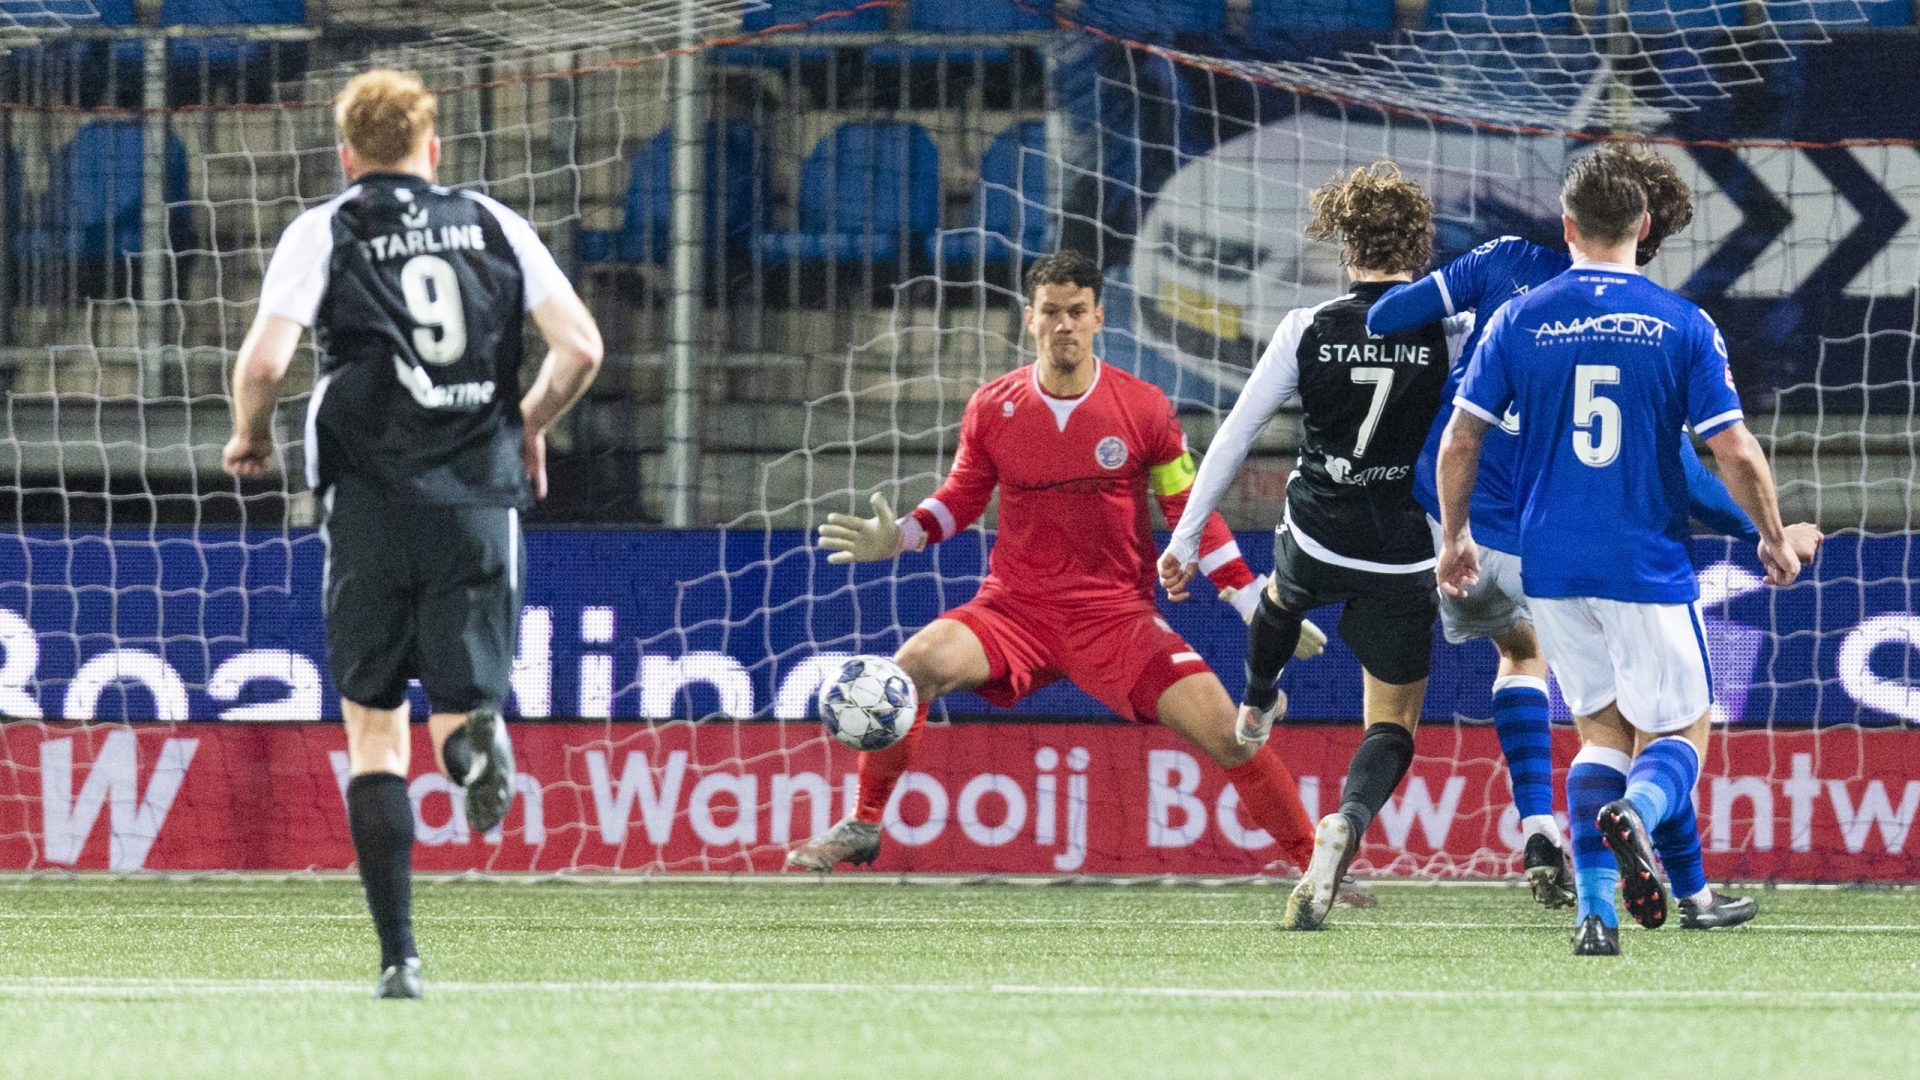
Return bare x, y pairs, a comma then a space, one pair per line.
417, 297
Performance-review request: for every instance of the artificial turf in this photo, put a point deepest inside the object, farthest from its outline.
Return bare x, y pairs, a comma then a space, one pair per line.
847, 977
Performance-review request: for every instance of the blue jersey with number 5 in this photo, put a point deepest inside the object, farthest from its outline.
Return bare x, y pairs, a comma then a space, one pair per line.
1606, 367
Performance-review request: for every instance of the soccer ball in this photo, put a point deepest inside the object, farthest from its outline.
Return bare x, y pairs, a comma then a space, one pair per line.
870, 705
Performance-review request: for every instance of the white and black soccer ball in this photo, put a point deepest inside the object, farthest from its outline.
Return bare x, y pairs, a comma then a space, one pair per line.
870, 705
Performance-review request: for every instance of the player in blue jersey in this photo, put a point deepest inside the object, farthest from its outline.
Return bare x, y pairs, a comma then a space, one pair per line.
1481, 281
1607, 368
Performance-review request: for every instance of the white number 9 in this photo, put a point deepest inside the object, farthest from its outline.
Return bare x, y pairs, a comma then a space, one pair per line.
1596, 420
433, 299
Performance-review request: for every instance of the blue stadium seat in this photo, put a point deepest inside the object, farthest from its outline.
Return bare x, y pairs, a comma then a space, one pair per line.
866, 190
784, 12
91, 211
1842, 14
731, 213
1277, 16
978, 16
1009, 217
1497, 16
1154, 19
226, 52
1667, 16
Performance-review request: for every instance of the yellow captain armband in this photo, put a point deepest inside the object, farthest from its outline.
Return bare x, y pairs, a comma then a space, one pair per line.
1173, 477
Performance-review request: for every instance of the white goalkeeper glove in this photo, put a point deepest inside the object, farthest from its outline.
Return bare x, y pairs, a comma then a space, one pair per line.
1313, 640
855, 539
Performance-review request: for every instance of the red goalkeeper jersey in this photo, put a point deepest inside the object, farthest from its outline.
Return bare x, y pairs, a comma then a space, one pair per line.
1074, 476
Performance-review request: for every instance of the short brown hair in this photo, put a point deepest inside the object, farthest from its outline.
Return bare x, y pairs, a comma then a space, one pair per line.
383, 114
1605, 192
1063, 267
1383, 221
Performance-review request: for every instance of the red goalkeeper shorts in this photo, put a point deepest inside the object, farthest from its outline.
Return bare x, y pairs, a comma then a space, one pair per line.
1124, 658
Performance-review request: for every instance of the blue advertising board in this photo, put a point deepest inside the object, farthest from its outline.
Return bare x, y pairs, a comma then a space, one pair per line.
171, 625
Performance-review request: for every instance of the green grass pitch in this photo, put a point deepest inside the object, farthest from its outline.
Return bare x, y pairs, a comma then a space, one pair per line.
232, 977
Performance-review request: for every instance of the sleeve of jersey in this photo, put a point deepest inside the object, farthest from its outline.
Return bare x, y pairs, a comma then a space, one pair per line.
297, 274
962, 497
1713, 405
1487, 388
1274, 382
541, 277
1170, 482
1404, 307
1709, 501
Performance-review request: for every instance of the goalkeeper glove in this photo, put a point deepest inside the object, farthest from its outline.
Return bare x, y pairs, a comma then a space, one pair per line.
1313, 640
855, 539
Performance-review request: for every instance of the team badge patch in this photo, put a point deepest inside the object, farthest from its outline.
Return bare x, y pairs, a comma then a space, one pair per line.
1111, 452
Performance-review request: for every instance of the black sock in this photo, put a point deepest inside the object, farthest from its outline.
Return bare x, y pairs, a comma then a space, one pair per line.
1271, 638
1385, 755
457, 756
381, 817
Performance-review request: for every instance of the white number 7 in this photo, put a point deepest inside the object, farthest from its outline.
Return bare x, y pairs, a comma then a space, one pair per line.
1382, 380
1596, 420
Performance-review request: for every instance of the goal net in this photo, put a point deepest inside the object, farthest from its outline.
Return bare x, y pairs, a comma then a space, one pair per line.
871, 183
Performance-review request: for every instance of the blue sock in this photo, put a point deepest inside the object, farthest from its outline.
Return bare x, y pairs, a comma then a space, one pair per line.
1661, 779
1678, 842
1526, 738
1598, 777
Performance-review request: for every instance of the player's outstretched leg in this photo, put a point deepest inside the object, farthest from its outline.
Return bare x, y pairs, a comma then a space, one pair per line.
1701, 908
1385, 754
1598, 777
1659, 782
855, 840
479, 757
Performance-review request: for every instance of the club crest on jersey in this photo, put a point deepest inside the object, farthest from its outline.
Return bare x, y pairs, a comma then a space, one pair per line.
1111, 452
1006, 408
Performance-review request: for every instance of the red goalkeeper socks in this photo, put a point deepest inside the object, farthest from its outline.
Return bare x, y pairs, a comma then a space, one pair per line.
1272, 800
880, 770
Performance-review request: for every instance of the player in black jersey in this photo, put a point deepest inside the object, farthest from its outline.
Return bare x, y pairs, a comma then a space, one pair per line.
423, 452
1352, 532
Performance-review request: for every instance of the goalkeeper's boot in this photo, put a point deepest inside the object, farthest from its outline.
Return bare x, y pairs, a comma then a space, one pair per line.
1355, 893
489, 780
1621, 828
1254, 725
1595, 938
1334, 842
856, 843
1547, 875
1722, 912
401, 982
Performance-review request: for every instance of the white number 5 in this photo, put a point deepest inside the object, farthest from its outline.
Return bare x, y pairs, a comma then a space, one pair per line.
1596, 420
433, 299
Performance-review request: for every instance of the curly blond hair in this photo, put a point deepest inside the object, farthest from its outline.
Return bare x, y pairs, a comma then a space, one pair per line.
384, 114
1669, 199
1382, 220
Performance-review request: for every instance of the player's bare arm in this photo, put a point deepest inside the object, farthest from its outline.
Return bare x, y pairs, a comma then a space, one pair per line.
257, 375
1744, 468
574, 353
1459, 566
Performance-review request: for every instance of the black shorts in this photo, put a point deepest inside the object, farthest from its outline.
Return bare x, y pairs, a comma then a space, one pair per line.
1388, 621
421, 592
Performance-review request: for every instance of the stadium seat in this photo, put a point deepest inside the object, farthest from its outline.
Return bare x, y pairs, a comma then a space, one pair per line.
784, 12
866, 190
1009, 217
1498, 16
1155, 19
225, 52
1842, 14
1280, 16
91, 210
731, 212
978, 16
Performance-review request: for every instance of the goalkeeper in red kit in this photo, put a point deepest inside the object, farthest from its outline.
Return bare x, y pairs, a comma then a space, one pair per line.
1076, 448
